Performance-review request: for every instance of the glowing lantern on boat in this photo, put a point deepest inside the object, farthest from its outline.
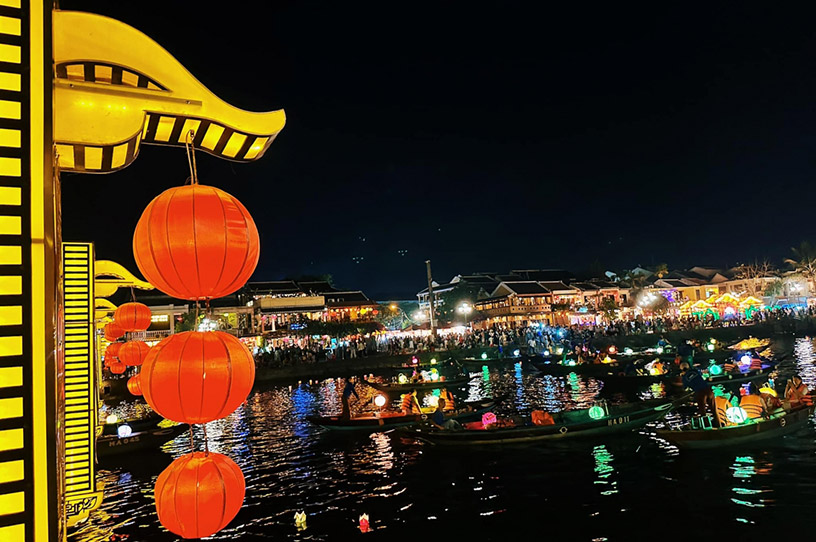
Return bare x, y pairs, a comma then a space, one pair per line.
736, 415
414, 360
133, 353
117, 367
196, 242
133, 316
199, 494
715, 369
433, 400
546, 353
124, 431
659, 349
710, 347
484, 355
433, 361
488, 418
434, 375
596, 412
613, 349
628, 351
745, 359
134, 385
197, 377
380, 400
402, 379
559, 351
113, 331
112, 418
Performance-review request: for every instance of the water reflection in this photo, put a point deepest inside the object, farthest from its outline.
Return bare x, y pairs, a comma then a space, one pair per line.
750, 493
604, 469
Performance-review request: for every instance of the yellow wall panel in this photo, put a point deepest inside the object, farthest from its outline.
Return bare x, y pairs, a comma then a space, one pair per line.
12, 503
213, 135
11, 471
10, 225
10, 53
11, 439
11, 255
11, 316
12, 532
10, 195
11, 377
10, 166
10, 138
10, 81
11, 285
93, 157
10, 25
11, 346
11, 407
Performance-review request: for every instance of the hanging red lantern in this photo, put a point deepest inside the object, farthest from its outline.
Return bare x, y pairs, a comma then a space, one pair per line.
134, 384
113, 331
197, 377
133, 353
196, 242
117, 367
199, 494
112, 351
133, 316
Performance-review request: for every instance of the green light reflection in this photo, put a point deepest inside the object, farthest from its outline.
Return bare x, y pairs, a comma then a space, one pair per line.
604, 469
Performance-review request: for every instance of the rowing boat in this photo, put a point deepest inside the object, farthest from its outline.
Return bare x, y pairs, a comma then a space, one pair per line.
585, 423
138, 438
777, 425
389, 420
617, 380
395, 387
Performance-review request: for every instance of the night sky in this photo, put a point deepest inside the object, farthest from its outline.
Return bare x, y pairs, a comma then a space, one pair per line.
488, 139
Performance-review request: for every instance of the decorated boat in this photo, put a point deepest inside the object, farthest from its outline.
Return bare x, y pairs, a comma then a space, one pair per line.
597, 421
713, 377
745, 433
399, 387
136, 435
381, 421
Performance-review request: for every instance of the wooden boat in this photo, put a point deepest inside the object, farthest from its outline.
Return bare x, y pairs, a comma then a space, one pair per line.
389, 420
572, 424
478, 363
776, 426
394, 387
585, 369
142, 437
673, 378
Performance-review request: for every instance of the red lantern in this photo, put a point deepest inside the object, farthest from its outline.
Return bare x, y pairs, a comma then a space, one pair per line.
112, 351
196, 242
113, 331
133, 353
199, 494
117, 368
197, 377
133, 316
134, 384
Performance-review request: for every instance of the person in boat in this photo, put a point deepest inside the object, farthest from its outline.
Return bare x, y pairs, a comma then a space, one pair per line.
772, 402
438, 418
797, 393
657, 367
450, 404
752, 404
703, 394
348, 391
410, 404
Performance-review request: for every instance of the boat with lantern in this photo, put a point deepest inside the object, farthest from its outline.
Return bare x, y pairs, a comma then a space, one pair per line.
401, 386
778, 424
119, 437
381, 421
713, 374
598, 421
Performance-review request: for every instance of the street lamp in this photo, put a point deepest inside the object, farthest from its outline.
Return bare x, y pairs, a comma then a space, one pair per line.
465, 309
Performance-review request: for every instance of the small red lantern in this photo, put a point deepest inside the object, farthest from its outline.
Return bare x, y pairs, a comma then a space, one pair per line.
133, 316
197, 377
199, 494
117, 367
134, 384
112, 351
113, 331
133, 353
196, 242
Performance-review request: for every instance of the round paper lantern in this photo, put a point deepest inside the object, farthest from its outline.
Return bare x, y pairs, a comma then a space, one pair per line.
199, 494
196, 242
113, 331
133, 316
117, 367
112, 351
197, 377
134, 385
133, 353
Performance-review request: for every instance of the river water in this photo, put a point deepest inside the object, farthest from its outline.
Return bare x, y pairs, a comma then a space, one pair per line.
632, 487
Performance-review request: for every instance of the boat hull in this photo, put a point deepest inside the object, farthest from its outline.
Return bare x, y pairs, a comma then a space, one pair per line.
404, 388
109, 445
702, 439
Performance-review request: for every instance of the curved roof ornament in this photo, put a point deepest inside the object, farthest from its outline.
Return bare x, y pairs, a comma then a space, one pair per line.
115, 88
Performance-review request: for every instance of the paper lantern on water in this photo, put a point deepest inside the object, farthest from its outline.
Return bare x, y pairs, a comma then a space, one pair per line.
133, 316
488, 418
199, 494
117, 367
113, 331
133, 353
196, 242
197, 377
134, 385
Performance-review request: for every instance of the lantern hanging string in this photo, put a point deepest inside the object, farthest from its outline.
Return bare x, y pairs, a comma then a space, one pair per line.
188, 144
192, 443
